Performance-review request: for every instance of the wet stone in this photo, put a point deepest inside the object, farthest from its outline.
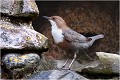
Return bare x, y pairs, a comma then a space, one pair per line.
57, 75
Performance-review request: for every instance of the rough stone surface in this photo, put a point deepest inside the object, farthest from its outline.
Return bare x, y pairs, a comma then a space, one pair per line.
19, 38
108, 63
57, 75
17, 64
57, 64
21, 61
60, 63
16, 30
19, 8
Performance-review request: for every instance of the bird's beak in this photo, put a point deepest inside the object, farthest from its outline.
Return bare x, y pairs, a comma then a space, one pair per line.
46, 17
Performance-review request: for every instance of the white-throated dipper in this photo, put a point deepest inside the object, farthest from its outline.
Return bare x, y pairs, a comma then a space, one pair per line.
68, 39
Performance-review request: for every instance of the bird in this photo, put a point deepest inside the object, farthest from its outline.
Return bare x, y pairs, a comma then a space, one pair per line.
68, 39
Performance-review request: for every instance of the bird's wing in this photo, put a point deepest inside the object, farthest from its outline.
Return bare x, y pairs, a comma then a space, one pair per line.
73, 36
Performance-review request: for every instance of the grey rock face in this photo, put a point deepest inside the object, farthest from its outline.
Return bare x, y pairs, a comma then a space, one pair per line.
57, 75
17, 33
108, 63
19, 8
16, 30
19, 38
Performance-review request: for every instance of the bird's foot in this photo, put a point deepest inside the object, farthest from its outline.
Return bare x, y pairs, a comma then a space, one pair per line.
64, 68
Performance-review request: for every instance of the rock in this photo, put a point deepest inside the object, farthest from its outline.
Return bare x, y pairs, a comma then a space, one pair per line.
60, 63
46, 65
19, 38
26, 8
21, 63
81, 67
16, 30
56, 64
17, 60
108, 63
57, 75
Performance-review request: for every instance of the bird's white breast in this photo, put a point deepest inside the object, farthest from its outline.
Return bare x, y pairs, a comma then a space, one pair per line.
56, 33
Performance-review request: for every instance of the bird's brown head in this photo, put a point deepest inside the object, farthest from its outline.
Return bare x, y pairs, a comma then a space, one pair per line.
57, 20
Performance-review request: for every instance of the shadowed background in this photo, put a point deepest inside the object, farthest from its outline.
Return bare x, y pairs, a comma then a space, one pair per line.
88, 18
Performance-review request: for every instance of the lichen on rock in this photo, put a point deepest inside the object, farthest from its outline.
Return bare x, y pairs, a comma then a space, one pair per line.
18, 37
15, 60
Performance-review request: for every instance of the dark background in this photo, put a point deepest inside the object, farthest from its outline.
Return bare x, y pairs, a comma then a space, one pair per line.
86, 17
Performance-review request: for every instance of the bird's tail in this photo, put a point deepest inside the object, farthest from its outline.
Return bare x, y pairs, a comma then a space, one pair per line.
94, 38
97, 37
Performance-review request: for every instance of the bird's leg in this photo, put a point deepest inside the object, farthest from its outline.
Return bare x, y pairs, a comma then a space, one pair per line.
65, 63
75, 55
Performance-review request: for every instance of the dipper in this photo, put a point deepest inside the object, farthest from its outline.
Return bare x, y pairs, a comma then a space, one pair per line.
68, 39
